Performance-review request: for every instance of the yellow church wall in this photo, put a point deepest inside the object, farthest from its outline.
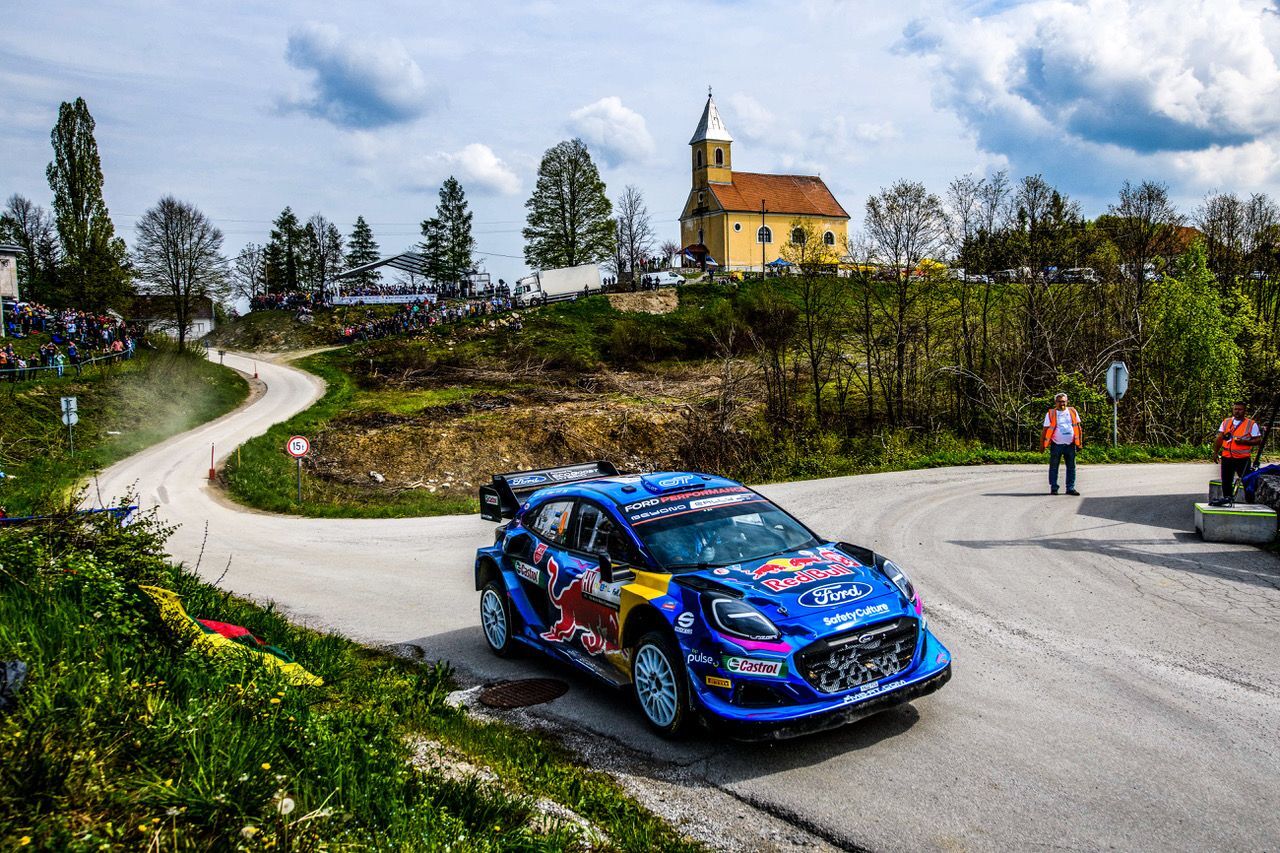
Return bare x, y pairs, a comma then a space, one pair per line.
744, 251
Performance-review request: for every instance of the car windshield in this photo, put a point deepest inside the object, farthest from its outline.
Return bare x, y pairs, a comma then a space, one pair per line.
721, 535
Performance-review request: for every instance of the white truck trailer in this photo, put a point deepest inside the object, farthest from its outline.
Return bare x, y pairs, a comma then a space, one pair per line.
558, 284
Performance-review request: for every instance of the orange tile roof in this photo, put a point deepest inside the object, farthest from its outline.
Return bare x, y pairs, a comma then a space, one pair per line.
800, 194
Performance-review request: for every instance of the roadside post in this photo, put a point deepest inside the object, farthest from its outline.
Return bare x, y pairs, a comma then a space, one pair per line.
70, 417
221, 354
297, 447
1117, 384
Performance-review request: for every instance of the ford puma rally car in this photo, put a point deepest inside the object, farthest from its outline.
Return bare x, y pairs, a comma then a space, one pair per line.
703, 597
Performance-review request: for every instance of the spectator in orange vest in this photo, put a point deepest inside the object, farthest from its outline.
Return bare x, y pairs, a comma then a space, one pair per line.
1061, 438
1233, 447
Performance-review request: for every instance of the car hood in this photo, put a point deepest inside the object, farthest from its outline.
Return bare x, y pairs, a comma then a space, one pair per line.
812, 584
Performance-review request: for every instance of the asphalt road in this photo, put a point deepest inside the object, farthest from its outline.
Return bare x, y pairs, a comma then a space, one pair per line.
1117, 681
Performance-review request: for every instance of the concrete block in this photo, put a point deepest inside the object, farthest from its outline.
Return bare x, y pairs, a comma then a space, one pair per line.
1246, 524
1215, 489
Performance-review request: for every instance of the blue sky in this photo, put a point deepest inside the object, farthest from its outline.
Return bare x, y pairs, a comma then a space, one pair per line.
243, 108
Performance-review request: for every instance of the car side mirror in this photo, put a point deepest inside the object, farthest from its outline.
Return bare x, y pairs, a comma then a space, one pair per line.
606, 567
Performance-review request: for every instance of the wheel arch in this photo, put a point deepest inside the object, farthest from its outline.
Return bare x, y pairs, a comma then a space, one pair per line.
642, 619
486, 570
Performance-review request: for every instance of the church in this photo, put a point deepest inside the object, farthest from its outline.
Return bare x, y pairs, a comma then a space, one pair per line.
722, 223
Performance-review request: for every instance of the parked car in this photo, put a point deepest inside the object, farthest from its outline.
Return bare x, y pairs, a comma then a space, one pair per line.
702, 598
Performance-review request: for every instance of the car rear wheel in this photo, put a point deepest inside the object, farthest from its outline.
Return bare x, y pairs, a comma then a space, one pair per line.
658, 678
495, 619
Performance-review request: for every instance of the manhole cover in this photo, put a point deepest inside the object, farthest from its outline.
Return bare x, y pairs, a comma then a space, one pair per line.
522, 694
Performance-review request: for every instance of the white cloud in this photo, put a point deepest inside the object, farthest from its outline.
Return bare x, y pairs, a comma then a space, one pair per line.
396, 160
358, 82
477, 165
750, 119
618, 134
1121, 83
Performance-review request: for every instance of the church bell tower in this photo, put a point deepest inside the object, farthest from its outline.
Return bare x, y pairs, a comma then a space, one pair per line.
710, 148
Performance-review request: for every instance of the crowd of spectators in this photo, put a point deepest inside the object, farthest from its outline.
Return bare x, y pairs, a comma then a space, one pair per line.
416, 316
294, 301
76, 338
391, 289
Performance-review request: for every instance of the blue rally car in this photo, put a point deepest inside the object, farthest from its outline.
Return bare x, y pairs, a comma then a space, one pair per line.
703, 597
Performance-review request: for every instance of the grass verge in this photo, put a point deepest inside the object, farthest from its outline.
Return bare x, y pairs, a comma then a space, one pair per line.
123, 408
262, 476
122, 737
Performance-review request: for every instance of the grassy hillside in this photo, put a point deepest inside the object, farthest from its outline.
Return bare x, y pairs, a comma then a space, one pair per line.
123, 408
123, 738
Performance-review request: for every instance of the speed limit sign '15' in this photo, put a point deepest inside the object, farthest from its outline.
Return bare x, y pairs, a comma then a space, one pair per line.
298, 446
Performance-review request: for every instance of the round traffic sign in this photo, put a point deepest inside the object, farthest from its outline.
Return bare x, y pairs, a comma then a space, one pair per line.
298, 446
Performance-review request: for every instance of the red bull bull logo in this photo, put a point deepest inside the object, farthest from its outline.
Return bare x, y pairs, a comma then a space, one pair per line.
592, 624
783, 564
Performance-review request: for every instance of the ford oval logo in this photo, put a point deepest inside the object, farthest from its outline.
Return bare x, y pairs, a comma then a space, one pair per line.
531, 480
834, 593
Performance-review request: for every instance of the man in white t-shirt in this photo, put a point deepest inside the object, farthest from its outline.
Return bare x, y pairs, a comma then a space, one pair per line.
1062, 436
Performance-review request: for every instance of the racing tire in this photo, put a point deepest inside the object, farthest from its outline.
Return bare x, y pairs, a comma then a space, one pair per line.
660, 684
496, 620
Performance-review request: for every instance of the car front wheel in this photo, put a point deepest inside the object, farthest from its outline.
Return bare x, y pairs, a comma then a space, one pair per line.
495, 619
658, 678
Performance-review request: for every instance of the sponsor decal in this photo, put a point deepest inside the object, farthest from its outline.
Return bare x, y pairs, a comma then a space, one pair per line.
837, 557
864, 693
491, 499
716, 681
575, 474
808, 576
783, 564
526, 571
722, 499
751, 666
668, 605
666, 504
672, 482
855, 614
834, 594
586, 609
701, 657
528, 480
941, 658
870, 685
684, 623
641, 505
539, 551
720, 572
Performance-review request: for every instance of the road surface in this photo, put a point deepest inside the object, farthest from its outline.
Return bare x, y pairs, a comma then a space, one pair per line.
1117, 681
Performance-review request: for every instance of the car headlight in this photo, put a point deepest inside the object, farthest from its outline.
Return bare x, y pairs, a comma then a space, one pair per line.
899, 578
738, 619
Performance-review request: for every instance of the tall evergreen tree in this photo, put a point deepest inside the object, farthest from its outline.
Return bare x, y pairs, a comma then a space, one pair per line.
570, 217
284, 253
94, 272
30, 226
447, 241
361, 250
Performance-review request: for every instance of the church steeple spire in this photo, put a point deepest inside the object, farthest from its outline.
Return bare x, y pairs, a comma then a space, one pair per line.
710, 128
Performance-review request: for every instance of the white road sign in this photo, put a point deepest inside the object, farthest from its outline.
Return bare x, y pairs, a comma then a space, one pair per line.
298, 446
1117, 379
69, 404
70, 418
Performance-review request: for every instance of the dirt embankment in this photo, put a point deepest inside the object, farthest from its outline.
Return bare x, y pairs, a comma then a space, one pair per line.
645, 302
637, 421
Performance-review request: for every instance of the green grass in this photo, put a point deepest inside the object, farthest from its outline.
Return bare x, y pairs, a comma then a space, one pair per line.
124, 739
262, 476
123, 408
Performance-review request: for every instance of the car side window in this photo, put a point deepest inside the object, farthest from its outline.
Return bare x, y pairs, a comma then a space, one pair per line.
597, 531
552, 521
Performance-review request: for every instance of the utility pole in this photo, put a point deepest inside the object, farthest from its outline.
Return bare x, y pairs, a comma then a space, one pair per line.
762, 243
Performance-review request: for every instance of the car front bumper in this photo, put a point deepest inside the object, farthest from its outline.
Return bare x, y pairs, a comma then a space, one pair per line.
932, 671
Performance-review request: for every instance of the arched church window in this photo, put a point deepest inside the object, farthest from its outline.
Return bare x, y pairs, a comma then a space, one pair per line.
699, 159
764, 234
829, 238
797, 236
719, 156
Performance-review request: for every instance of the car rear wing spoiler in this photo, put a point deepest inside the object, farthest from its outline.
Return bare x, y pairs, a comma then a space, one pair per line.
502, 498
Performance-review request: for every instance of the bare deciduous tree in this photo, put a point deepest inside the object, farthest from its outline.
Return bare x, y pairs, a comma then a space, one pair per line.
635, 231
249, 272
179, 254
